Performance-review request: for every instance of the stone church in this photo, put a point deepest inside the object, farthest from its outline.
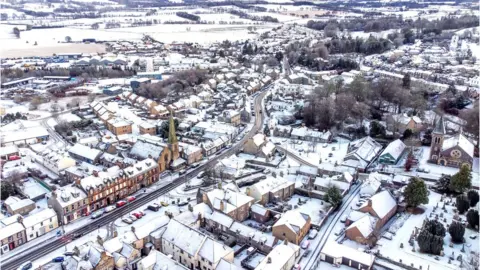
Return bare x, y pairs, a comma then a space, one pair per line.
451, 151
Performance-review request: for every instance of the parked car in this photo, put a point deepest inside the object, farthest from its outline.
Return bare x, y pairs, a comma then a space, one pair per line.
26, 266
132, 217
11, 158
182, 172
164, 203
182, 203
330, 154
387, 236
69, 253
473, 236
201, 174
127, 220
305, 244
297, 267
312, 234
97, 214
424, 170
131, 198
154, 207
338, 231
138, 215
307, 252
343, 219
121, 203
58, 259
110, 208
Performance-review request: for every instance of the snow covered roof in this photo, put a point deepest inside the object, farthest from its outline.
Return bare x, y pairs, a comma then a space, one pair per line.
307, 170
365, 225
258, 139
38, 217
144, 149
23, 134
84, 151
333, 249
362, 150
269, 184
140, 167
183, 237
277, 258
113, 245
20, 204
225, 265
257, 208
152, 225
268, 148
462, 142
101, 179
294, 220
221, 219
326, 182
159, 261
395, 149
256, 235
213, 251
231, 199
10, 230
382, 203
7, 150
356, 215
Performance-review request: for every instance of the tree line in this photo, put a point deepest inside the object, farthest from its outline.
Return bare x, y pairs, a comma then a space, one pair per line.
188, 16
331, 27
245, 15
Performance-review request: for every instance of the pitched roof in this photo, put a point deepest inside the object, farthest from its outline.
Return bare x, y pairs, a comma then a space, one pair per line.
462, 142
294, 220
395, 149
213, 251
382, 203
365, 225
184, 237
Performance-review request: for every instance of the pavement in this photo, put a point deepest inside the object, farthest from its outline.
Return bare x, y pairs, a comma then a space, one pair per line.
46, 248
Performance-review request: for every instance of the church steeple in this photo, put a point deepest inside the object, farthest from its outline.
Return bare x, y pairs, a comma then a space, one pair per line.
172, 136
438, 135
172, 139
439, 126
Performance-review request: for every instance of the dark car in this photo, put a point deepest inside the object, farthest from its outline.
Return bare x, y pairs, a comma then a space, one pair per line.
154, 207
58, 259
182, 203
68, 253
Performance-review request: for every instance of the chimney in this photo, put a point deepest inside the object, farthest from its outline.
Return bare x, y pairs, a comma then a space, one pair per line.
222, 206
205, 197
369, 202
95, 173
54, 194
20, 219
248, 191
269, 260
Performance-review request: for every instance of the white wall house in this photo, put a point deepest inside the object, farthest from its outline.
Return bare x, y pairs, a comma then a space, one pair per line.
40, 223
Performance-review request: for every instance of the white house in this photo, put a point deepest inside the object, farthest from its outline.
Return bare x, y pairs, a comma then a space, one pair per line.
282, 257
40, 223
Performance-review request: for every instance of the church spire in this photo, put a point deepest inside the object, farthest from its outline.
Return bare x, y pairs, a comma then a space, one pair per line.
172, 137
439, 126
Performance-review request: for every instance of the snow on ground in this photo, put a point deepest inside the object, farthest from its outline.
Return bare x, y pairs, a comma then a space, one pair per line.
312, 207
407, 223
69, 117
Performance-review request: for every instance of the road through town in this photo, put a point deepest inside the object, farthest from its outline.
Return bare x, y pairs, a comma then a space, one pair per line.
43, 250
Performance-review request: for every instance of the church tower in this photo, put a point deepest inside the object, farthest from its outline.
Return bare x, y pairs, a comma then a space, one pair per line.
438, 136
172, 139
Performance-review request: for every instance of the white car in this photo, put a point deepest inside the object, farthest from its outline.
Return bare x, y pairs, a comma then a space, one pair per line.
338, 231
313, 233
387, 236
343, 219
110, 208
132, 217
127, 220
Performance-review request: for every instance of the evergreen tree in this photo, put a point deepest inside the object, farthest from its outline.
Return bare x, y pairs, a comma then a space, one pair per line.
462, 180
473, 197
473, 218
456, 231
416, 192
406, 81
430, 238
333, 196
462, 204
443, 184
